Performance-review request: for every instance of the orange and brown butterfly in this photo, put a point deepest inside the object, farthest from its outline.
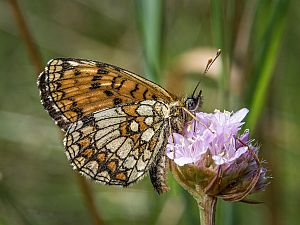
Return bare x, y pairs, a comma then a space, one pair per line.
116, 123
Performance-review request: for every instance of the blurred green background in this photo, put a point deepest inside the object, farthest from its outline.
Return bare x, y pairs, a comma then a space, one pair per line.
170, 42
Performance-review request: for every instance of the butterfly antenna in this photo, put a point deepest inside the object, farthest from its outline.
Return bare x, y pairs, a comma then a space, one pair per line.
210, 61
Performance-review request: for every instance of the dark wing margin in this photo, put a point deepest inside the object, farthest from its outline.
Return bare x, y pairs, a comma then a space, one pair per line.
50, 105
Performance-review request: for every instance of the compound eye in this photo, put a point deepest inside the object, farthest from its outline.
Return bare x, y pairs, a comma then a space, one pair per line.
191, 104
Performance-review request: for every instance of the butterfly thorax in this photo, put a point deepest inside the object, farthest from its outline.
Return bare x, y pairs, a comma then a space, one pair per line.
176, 116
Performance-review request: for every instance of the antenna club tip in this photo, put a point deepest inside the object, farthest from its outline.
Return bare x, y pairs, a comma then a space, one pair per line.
219, 51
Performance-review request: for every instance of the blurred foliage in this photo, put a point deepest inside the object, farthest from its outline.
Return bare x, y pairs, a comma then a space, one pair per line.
172, 40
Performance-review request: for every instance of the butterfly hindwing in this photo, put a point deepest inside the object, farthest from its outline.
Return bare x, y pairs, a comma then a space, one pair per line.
72, 89
117, 146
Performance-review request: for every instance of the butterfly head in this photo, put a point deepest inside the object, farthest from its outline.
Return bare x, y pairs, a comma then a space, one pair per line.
192, 103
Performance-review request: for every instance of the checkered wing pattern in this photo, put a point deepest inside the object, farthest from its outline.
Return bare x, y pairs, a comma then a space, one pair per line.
117, 146
116, 122
72, 89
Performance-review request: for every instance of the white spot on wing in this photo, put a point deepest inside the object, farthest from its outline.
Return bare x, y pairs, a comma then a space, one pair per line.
73, 63
145, 110
147, 135
92, 168
149, 121
147, 154
105, 131
148, 102
78, 162
141, 164
129, 162
106, 138
125, 148
109, 121
135, 175
103, 176
88, 62
72, 151
134, 126
71, 138
115, 144
108, 113
162, 109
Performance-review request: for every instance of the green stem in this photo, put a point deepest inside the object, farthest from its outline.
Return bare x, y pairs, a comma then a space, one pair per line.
206, 203
150, 20
207, 209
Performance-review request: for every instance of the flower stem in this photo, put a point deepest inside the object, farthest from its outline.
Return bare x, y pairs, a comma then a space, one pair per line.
207, 209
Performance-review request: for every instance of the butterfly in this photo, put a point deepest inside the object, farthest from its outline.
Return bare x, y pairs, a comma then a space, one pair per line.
116, 123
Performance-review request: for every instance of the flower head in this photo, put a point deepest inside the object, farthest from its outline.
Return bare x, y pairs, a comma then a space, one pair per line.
224, 163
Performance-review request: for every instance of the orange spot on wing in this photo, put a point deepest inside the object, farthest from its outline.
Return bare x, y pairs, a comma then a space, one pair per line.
88, 152
121, 176
141, 121
101, 157
123, 129
84, 142
72, 116
135, 137
64, 104
130, 110
112, 166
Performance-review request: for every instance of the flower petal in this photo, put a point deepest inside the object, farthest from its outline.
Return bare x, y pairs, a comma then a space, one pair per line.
239, 152
238, 116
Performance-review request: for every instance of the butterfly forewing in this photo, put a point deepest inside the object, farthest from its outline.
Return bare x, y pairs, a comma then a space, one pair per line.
73, 88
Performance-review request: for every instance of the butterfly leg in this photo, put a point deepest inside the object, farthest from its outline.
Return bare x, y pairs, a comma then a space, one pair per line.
171, 134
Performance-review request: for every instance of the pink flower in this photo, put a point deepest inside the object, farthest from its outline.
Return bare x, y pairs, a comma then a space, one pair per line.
212, 146
215, 133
